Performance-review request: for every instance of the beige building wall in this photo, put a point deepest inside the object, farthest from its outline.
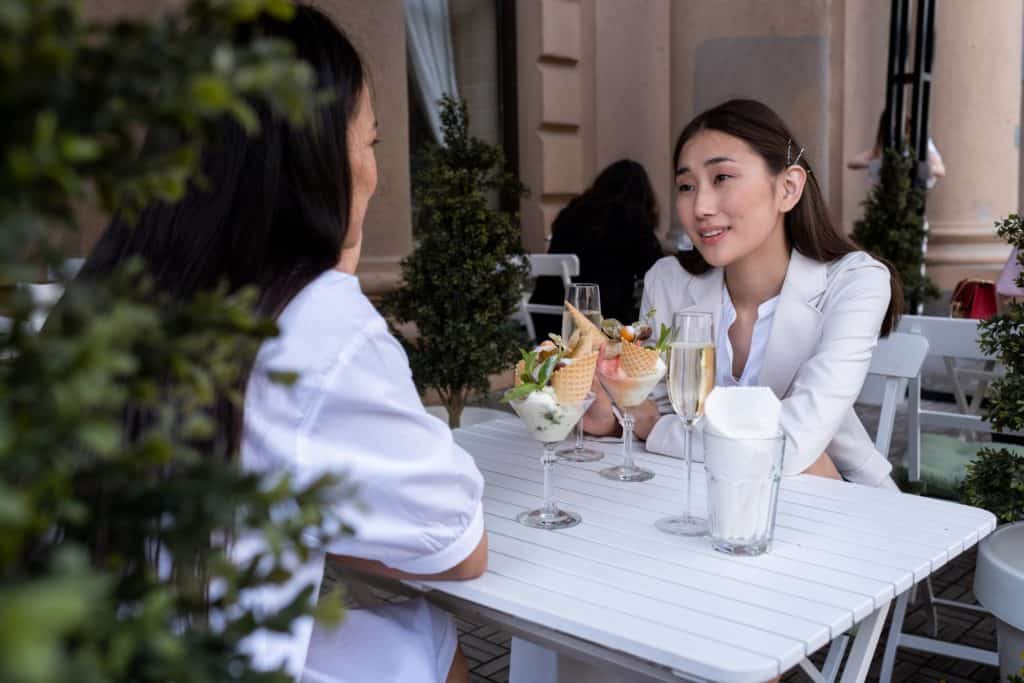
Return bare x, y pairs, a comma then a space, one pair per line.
605, 79
474, 41
976, 123
776, 52
599, 80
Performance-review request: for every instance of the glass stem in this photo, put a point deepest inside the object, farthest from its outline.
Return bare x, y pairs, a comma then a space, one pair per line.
687, 456
548, 459
579, 435
627, 438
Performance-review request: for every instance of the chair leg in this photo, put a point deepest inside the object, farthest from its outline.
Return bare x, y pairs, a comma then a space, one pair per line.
893, 641
914, 430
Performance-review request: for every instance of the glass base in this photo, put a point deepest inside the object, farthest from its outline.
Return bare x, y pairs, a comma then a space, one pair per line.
743, 549
683, 526
573, 454
544, 519
622, 473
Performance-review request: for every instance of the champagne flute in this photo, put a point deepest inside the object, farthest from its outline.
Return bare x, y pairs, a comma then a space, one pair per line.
586, 297
691, 377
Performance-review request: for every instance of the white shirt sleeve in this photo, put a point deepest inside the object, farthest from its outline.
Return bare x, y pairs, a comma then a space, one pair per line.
420, 490
828, 383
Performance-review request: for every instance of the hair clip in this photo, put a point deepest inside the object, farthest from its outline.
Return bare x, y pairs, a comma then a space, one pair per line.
789, 154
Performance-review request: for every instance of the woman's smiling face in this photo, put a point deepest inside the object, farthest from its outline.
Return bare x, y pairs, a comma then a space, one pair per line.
727, 200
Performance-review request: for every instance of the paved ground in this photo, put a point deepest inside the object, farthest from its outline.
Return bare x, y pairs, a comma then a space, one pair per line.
487, 648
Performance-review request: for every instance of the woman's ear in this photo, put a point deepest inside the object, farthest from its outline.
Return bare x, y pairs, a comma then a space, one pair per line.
791, 187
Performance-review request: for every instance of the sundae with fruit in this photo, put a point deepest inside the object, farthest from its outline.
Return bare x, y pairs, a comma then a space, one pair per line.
552, 383
629, 368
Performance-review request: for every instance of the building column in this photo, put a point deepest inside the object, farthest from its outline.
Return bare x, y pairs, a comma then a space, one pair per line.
975, 123
549, 83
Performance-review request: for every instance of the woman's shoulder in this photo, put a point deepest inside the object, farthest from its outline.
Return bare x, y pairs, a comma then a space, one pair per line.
859, 263
669, 272
667, 269
326, 316
857, 272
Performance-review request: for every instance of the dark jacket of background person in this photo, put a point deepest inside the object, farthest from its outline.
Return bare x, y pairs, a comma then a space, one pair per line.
611, 228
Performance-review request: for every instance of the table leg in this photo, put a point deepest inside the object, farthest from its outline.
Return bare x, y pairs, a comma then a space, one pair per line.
531, 663
864, 645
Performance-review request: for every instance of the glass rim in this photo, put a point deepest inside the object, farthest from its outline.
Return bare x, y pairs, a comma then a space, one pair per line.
694, 314
582, 284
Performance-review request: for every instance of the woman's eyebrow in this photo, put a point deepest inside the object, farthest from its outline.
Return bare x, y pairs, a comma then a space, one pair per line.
710, 162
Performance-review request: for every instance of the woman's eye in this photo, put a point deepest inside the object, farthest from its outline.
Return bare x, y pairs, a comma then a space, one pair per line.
685, 188
720, 177
376, 141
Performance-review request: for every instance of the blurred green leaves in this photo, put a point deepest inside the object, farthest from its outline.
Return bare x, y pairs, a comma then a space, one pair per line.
893, 226
110, 540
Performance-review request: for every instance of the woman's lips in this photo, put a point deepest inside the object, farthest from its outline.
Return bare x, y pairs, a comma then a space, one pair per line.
712, 235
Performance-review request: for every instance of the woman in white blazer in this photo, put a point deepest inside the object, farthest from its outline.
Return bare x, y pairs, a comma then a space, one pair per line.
798, 307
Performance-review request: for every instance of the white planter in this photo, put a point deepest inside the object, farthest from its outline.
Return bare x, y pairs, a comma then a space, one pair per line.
999, 586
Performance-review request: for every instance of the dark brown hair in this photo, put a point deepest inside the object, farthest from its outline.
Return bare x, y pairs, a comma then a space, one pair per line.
809, 228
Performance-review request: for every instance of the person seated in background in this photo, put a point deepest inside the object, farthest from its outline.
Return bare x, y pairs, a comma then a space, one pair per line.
871, 159
611, 228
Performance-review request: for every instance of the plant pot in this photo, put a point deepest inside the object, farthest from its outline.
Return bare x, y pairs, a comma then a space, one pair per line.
999, 587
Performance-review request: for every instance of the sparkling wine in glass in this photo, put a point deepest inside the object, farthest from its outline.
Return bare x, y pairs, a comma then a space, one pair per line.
691, 377
586, 297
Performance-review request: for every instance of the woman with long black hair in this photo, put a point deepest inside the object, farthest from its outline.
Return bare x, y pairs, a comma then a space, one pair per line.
284, 211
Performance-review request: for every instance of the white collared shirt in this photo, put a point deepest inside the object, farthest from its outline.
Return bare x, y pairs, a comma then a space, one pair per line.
758, 343
354, 412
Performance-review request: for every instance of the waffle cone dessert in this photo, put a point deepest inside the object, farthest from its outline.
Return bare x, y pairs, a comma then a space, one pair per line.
638, 361
520, 368
591, 337
572, 382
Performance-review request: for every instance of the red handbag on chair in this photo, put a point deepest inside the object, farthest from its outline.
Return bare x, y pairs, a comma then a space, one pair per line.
973, 299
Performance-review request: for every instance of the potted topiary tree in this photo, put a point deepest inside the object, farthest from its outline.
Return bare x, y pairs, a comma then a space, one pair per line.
995, 479
893, 226
109, 546
466, 274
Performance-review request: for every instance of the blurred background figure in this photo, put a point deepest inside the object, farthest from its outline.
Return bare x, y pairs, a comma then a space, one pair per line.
872, 159
611, 228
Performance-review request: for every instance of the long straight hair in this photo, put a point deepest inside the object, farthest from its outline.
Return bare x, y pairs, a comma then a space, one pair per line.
272, 210
809, 227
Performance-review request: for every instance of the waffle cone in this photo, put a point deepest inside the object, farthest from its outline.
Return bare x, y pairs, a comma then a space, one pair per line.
591, 337
520, 368
572, 383
638, 361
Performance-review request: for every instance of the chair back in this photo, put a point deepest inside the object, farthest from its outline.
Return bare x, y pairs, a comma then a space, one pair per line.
897, 360
564, 266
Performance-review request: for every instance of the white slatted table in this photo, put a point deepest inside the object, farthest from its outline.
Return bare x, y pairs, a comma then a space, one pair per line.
616, 589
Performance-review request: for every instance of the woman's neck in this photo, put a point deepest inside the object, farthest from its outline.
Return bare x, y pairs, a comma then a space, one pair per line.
759, 276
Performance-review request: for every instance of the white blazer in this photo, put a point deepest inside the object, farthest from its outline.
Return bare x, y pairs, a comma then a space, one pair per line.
825, 329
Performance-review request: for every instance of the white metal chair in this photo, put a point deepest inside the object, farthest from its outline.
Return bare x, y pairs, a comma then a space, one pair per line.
956, 340
896, 362
565, 266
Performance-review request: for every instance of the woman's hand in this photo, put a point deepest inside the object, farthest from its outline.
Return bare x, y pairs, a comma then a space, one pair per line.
599, 420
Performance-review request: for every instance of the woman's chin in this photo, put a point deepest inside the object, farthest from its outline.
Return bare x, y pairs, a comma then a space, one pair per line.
715, 257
